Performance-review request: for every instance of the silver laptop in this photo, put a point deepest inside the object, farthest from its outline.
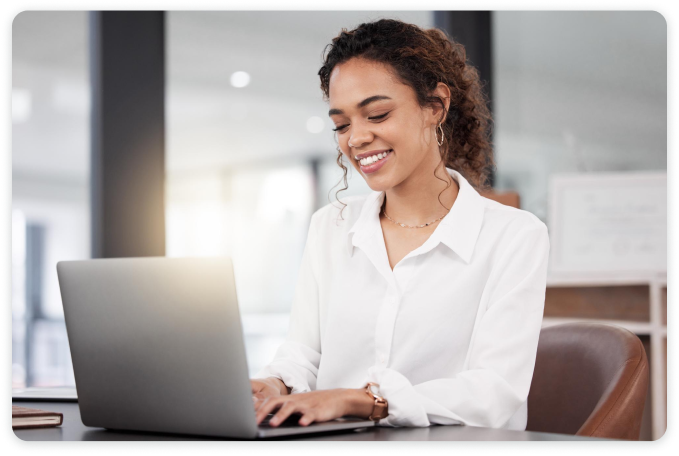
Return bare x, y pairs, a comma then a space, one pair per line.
157, 345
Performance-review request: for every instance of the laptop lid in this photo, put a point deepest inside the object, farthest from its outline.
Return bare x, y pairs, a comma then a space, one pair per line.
157, 345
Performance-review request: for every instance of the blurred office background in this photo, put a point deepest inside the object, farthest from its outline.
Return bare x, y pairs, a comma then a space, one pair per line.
250, 155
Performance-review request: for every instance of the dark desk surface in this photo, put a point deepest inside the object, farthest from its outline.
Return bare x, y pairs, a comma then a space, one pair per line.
73, 429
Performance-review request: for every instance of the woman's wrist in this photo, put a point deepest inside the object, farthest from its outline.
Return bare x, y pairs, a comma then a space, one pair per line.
279, 384
358, 403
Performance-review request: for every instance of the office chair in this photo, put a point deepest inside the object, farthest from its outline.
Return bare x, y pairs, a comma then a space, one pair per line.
590, 379
507, 198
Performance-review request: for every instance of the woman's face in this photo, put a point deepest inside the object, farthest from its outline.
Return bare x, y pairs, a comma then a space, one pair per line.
374, 113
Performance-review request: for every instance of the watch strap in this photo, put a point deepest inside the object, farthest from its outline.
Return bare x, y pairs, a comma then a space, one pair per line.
380, 405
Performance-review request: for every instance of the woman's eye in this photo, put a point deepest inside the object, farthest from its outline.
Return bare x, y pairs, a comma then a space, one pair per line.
379, 117
342, 127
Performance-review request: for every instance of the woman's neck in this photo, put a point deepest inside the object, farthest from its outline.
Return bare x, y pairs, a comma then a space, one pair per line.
415, 201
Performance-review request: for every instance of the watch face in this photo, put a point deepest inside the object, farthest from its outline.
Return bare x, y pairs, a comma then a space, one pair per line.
374, 389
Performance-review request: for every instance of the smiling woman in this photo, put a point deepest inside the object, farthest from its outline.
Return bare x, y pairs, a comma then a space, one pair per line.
424, 305
407, 74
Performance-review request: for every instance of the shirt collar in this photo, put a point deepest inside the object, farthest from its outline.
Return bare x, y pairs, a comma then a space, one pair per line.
458, 230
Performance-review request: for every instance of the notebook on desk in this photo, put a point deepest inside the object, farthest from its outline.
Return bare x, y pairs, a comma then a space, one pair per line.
157, 345
30, 418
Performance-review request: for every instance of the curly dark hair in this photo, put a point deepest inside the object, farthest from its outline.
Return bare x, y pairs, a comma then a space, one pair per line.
421, 59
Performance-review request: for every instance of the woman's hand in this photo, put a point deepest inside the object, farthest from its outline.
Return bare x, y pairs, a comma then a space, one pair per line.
315, 406
264, 388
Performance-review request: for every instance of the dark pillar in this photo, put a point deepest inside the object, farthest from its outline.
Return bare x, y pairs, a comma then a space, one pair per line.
472, 29
127, 70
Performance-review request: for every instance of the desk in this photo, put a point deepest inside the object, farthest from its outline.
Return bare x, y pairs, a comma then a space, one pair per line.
73, 429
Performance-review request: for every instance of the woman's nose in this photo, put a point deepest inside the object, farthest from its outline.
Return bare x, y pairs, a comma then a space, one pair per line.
359, 139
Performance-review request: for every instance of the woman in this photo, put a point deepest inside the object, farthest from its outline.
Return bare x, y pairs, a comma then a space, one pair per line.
422, 303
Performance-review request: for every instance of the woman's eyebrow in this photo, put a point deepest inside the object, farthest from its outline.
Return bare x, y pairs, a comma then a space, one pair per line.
362, 104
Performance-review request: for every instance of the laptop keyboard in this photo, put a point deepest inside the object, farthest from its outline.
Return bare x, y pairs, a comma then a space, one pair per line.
291, 421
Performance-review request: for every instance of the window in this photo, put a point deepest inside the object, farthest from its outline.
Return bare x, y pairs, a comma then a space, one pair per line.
50, 202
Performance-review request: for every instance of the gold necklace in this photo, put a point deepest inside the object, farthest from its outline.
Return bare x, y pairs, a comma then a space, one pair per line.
384, 210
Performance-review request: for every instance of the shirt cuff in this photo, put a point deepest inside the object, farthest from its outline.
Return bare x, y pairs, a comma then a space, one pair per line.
295, 385
404, 405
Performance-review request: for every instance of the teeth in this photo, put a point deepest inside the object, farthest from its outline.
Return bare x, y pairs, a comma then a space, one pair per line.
372, 159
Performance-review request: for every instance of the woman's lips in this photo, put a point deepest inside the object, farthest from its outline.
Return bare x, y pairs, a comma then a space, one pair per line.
373, 167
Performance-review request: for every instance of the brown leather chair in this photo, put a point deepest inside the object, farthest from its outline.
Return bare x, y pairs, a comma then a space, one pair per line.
590, 379
507, 198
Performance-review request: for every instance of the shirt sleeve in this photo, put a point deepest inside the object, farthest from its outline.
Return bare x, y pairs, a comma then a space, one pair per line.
501, 355
297, 359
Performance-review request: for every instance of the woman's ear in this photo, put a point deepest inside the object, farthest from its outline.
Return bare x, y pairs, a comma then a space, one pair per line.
443, 92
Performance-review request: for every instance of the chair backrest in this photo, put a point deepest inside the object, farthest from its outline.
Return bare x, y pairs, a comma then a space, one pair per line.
590, 379
507, 198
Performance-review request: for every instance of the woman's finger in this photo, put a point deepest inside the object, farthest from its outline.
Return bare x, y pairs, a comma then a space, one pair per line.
283, 413
306, 419
268, 405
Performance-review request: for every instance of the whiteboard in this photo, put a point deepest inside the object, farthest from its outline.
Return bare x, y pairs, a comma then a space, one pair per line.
608, 223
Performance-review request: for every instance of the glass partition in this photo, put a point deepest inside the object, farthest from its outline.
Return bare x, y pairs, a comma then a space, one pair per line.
577, 92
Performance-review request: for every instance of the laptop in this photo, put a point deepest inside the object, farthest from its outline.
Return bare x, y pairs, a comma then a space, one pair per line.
157, 345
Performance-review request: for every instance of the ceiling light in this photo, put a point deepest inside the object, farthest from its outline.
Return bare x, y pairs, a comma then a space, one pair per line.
240, 79
21, 105
315, 124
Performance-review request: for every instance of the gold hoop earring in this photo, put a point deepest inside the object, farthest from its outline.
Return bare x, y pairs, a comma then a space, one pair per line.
437, 136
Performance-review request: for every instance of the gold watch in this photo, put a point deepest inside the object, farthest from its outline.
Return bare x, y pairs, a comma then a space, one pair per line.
381, 404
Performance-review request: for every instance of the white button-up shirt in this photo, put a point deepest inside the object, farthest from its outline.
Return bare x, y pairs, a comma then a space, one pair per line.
450, 334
